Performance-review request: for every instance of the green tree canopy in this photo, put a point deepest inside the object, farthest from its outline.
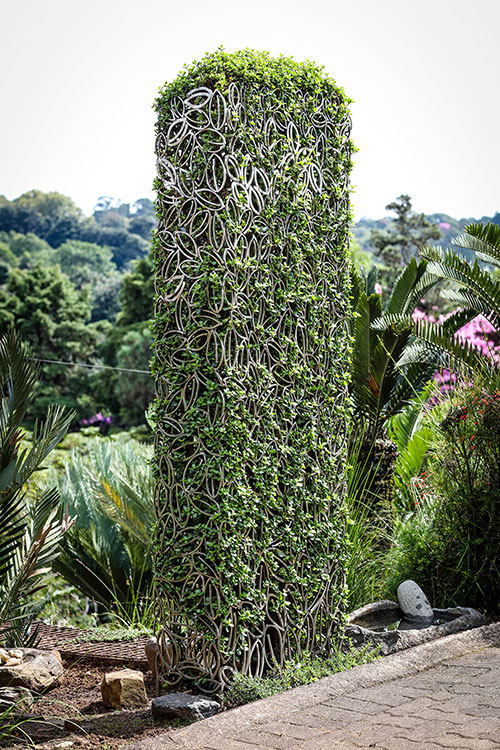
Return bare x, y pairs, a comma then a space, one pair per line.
28, 249
52, 216
84, 262
51, 316
137, 297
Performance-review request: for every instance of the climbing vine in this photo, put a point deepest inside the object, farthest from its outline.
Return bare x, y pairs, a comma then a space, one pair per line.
251, 364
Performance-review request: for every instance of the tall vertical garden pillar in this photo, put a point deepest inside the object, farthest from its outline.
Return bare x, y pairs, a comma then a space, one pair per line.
251, 363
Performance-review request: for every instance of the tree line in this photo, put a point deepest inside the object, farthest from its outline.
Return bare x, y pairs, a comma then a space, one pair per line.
79, 289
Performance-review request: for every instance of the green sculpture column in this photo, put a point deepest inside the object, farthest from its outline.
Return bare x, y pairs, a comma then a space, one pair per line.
251, 365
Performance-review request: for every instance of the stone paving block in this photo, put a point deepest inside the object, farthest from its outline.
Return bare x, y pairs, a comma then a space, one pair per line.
405, 744
258, 738
476, 658
465, 689
226, 743
321, 743
425, 730
393, 696
325, 741
353, 704
477, 727
452, 740
404, 722
471, 704
307, 720
494, 736
414, 706
458, 670
337, 714
295, 731
372, 737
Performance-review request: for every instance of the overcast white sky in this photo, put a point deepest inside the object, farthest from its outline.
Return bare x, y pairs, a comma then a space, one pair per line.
79, 78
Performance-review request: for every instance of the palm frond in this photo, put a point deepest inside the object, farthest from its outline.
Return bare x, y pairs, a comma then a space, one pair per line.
405, 285
484, 239
435, 345
29, 529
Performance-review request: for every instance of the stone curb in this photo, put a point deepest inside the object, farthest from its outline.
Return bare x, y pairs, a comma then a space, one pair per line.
395, 666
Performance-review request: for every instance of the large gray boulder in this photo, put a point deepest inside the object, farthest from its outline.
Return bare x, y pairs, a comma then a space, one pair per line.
183, 705
38, 670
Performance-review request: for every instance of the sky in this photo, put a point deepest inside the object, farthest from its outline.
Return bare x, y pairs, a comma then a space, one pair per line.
80, 77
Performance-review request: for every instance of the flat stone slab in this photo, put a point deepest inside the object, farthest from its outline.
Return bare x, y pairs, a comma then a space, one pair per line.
440, 694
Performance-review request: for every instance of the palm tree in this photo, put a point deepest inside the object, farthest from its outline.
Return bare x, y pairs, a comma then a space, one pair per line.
30, 526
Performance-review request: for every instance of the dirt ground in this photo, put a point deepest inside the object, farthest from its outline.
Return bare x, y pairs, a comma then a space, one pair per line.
74, 715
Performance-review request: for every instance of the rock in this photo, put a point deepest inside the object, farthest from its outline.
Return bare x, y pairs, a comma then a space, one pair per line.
382, 609
58, 656
37, 671
413, 601
19, 697
452, 620
183, 705
123, 689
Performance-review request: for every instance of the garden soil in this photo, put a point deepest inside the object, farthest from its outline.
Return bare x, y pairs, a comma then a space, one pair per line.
76, 701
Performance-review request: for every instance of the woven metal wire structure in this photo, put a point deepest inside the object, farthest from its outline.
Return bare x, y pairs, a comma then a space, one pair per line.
251, 361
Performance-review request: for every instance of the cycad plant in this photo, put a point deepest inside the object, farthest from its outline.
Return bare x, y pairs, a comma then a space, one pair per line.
31, 524
380, 387
475, 289
107, 553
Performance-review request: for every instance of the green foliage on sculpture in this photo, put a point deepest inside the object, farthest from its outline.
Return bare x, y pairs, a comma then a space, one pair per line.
252, 362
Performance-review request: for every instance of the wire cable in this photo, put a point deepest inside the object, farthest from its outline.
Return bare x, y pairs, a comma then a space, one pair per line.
80, 364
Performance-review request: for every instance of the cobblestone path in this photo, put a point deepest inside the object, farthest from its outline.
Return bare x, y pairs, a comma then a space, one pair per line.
445, 694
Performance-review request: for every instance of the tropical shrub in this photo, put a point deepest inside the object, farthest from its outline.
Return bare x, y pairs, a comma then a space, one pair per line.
31, 523
451, 541
380, 387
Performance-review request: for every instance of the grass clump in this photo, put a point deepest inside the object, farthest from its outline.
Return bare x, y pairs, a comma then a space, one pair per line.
296, 672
